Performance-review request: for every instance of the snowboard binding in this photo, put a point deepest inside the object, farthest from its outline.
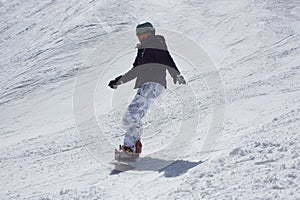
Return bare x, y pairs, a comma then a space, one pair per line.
127, 153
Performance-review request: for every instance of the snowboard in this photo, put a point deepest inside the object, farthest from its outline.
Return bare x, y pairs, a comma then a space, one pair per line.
124, 161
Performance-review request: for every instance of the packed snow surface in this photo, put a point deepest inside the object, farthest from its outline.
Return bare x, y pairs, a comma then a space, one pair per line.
255, 46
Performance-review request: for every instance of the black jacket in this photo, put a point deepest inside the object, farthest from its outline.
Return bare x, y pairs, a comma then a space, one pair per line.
151, 63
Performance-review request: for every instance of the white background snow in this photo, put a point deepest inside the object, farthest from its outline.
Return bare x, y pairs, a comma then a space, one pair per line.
254, 44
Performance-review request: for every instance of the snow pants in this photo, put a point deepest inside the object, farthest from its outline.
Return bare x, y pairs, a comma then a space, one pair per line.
137, 109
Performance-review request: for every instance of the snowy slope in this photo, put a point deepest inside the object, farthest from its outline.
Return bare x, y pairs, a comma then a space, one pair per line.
254, 45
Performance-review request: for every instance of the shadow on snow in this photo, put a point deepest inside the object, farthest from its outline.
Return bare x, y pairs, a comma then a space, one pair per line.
169, 168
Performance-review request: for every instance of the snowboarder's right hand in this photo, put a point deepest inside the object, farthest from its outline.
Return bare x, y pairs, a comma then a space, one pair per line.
179, 78
114, 83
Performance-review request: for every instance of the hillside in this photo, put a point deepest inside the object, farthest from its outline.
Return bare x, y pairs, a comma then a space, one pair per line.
48, 45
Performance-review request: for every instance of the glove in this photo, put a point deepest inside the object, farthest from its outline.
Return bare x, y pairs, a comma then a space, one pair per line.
179, 78
114, 83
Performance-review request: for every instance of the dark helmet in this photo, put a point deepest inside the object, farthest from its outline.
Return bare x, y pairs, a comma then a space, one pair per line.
146, 27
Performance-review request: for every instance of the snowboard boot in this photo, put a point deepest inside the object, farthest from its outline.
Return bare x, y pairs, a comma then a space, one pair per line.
138, 147
127, 149
126, 154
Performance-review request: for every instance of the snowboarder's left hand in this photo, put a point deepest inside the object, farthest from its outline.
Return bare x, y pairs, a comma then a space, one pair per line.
179, 78
114, 83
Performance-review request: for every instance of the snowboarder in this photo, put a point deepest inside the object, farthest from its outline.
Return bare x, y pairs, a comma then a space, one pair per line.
149, 69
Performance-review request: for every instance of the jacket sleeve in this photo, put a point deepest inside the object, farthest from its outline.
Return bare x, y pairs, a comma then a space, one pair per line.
165, 58
131, 74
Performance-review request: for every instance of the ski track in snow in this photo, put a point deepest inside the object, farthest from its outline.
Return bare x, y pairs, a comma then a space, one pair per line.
254, 44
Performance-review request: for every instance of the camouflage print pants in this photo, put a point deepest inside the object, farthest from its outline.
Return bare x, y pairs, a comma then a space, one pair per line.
137, 109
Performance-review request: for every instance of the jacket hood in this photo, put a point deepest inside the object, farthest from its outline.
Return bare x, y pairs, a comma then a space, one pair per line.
153, 41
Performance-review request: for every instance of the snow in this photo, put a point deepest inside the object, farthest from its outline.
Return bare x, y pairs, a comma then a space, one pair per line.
47, 44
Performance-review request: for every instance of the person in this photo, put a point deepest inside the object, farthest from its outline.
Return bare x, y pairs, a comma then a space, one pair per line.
149, 68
